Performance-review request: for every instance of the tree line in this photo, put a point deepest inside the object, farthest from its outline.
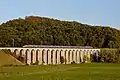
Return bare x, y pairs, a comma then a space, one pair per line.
35, 30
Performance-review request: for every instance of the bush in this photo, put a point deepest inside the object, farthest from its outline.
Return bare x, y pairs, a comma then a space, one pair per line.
73, 62
109, 56
93, 58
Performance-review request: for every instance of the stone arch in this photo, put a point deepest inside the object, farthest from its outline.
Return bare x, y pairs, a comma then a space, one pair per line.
94, 54
81, 55
44, 57
53, 56
97, 52
16, 53
62, 55
9, 50
88, 55
22, 56
28, 57
58, 54
85, 56
37, 52
61, 52
70, 56
66, 57
43, 51
74, 56
48, 56
39, 57
12, 50
33, 56
22, 52
78, 56
91, 53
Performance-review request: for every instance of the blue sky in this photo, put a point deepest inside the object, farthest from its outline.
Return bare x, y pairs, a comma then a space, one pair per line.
93, 12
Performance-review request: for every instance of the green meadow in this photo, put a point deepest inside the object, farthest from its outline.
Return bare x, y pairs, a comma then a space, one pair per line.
90, 71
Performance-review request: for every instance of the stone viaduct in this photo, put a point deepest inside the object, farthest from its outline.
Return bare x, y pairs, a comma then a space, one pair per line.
52, 55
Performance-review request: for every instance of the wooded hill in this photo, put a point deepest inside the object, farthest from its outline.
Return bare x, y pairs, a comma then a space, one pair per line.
47, 31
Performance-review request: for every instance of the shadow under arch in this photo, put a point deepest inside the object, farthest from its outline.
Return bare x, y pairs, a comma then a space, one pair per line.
73, 54
16, 53
70, 56
80, 52
78, 56
22, 52
22, 56
57, 56
61, 52
32, 52
95, 55
27, 53
44, 58
66, 56
37, 54
48, 53
9, 50
52, 53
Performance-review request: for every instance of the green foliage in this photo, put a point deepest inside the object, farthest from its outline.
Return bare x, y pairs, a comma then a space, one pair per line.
109, 55
93, 58
46, 31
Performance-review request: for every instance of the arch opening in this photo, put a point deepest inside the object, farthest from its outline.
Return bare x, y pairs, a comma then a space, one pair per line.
53, 56
48, 56
28, 57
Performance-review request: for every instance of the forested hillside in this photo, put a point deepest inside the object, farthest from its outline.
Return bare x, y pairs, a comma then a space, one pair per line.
46, 31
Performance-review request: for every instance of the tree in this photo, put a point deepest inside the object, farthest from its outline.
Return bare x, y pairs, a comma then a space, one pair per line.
47, 31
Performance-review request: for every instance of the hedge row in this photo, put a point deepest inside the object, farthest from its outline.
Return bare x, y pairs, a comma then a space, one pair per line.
108, 56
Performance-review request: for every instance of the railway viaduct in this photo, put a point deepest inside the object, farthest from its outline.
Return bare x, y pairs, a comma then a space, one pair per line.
52, 55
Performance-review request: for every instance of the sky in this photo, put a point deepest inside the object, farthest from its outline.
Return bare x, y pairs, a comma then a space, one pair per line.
92, 12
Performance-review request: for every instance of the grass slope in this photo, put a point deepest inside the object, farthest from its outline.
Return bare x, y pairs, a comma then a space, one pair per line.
7, 59
62, 72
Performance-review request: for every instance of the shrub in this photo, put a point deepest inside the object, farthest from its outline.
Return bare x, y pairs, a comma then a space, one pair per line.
109, 55
93, 58
73, 62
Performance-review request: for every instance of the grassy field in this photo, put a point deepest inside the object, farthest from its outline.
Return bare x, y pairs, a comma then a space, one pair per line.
92, 71
7, 59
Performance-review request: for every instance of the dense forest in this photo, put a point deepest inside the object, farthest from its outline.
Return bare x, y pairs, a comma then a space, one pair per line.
47, 31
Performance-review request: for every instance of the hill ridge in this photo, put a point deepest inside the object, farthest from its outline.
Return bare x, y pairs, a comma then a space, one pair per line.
35, 30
